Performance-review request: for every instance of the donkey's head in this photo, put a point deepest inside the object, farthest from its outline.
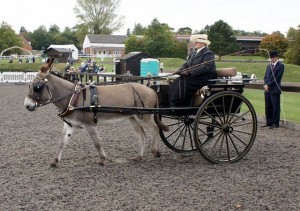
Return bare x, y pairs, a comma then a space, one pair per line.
39, 92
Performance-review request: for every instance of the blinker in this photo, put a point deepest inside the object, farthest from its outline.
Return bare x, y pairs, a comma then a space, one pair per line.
38, 87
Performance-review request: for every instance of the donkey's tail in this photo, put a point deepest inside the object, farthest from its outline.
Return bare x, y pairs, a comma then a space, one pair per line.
157, 119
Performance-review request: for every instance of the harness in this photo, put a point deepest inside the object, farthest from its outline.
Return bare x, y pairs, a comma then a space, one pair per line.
38, 88
94, 101
135, 93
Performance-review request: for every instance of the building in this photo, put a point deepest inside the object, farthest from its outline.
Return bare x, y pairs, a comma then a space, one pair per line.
130, 61
249, 43
69, 48
104, 46
61, 55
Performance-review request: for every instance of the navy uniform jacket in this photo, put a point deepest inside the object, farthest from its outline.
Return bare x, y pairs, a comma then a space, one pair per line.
272, 82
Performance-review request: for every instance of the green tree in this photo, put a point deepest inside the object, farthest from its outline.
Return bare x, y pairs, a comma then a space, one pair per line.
134, 43
8, 37
158, 39
138, 29
100, 16
274, 41
70, 37
245, 33
81, 31
185, 30
40, 38
54, 35
292, 54
222, 39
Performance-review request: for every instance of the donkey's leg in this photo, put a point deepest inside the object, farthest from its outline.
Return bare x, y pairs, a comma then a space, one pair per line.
92, 130
148, 123
141, 138
67, 132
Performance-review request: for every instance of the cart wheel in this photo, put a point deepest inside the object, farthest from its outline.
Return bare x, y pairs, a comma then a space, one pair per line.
180, 136
225, 127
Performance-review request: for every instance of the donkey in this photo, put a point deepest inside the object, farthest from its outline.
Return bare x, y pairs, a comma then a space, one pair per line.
48, 88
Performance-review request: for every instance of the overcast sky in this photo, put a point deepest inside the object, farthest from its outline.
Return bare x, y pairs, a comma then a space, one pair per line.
251, 15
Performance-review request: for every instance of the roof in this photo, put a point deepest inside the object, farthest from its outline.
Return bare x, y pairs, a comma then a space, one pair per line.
108, 48
248, 38
61, 50
133, 54
99, 38
70, 46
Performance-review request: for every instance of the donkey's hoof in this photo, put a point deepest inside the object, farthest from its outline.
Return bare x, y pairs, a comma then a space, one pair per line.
54, 163
156, 154
101, 162
137, 158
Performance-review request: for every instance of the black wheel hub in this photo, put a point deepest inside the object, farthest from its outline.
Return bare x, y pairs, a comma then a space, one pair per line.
227, 128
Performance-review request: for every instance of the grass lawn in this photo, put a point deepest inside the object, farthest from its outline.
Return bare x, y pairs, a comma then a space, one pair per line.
290, 104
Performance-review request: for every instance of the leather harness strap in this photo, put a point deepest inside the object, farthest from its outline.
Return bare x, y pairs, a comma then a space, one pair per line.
135, 93
94, 101
73, 101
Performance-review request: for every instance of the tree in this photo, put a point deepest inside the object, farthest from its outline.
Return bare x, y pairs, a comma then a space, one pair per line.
158, 41
275, 41
244, 33
40, 38
134, 43
138, 29
185, 30
292, 54
8, 37
99, 16
81, 31
70, 37
222, 39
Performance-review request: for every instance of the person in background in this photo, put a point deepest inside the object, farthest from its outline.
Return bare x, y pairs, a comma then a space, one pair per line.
128, 73
194, 73
272, 87
67, 70
72, 71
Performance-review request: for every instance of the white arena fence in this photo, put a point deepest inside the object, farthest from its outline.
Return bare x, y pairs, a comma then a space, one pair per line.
17, 77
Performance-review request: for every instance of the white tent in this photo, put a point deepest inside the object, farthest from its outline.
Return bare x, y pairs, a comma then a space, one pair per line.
67, 47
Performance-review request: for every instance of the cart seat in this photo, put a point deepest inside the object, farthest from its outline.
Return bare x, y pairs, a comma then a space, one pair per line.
226, 72
221, 73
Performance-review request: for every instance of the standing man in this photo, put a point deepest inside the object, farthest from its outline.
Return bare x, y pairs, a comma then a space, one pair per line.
194, 73
272, 87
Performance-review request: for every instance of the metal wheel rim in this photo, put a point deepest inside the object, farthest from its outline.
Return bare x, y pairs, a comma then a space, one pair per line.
225, 136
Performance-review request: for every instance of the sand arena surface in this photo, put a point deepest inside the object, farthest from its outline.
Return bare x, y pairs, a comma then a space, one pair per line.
268, 178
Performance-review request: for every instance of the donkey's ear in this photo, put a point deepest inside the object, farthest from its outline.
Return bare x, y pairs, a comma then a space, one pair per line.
48, 65
51, 61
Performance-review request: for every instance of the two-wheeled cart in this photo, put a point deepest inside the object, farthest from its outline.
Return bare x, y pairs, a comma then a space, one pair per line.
221, 122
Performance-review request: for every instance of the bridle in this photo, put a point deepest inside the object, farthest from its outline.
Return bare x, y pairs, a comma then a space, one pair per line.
38, 90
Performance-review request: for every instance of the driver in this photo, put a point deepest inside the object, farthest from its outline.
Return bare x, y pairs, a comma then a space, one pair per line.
194, 73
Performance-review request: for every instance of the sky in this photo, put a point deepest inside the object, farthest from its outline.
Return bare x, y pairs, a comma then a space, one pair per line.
251, 15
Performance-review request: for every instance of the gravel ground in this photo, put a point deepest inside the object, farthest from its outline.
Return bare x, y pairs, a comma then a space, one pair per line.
268, 178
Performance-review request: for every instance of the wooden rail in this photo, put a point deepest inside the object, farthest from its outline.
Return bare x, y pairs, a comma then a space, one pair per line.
287, 87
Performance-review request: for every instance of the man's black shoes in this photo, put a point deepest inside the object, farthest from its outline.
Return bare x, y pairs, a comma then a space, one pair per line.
273, 126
